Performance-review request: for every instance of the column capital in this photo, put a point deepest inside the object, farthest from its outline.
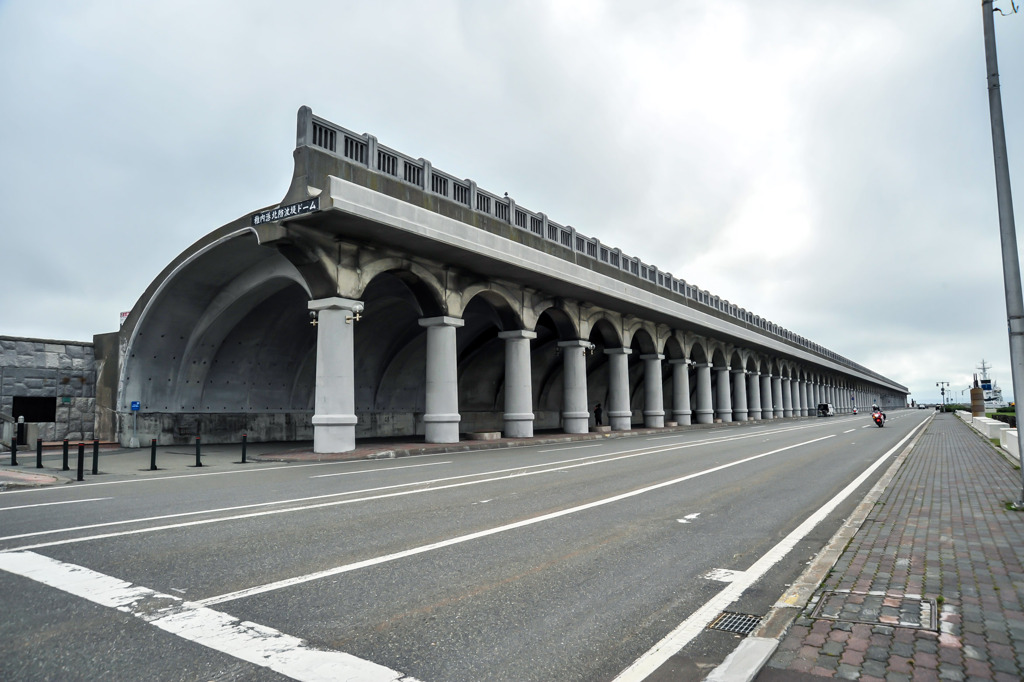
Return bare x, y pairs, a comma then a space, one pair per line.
336, 302
442, 321
739, 371
678, 361
575, 343
652, 356
517, 334
618, 351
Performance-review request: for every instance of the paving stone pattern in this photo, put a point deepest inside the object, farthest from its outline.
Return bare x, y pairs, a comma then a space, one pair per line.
940, 533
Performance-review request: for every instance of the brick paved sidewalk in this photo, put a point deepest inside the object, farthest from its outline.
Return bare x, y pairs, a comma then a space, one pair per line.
931, 587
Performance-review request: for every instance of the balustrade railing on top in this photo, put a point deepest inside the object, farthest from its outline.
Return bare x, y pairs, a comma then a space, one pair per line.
366, 151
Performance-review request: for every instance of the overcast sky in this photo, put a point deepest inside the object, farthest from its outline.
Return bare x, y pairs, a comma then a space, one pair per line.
824, 164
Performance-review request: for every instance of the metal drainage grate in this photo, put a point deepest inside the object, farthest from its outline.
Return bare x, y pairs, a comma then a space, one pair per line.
878, 608
740, 623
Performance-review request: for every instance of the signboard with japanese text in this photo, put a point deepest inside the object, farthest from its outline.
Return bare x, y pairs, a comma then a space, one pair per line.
289, 211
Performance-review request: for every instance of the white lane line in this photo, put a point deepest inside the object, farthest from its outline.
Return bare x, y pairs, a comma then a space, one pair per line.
849, 431
574, 447
289, 582
245, 640
555, 466
684, 633
377, 471
150, 479
780, 429
49, 504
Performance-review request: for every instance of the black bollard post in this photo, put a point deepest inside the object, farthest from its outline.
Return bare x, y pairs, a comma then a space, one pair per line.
39, 453
81, 461
243, 447
152, 455
14, 451
95, 457
65, 466
199, 463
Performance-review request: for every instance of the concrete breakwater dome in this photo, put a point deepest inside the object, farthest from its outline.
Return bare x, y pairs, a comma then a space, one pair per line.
384, 297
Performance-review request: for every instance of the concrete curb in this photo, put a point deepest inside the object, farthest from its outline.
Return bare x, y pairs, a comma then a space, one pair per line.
10, 478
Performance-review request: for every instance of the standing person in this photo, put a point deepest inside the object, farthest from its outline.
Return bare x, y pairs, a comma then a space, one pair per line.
598, 414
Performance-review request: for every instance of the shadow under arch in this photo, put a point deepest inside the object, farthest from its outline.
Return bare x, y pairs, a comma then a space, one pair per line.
219, 345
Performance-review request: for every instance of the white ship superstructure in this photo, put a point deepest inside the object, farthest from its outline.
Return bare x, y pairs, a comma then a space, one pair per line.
993, 394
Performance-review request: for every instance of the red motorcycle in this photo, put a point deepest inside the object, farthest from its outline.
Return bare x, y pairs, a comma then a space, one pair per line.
879, 418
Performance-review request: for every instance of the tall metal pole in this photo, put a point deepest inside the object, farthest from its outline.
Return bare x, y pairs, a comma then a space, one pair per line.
1007, 230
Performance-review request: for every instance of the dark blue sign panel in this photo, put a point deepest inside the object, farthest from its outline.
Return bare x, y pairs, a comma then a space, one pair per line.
136, 406
289, 211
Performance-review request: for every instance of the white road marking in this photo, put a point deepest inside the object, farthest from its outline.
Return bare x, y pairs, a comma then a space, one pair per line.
574, 447
850, 431
684, 633
722, 575
554, 466
47, 504
289, 582
688, 518
248, 641
377, 471
150, 479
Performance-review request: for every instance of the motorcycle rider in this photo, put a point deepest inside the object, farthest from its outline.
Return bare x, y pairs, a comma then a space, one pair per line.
876, 408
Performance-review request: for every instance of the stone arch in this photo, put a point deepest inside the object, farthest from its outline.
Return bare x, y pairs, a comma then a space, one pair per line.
426, 289
554, 324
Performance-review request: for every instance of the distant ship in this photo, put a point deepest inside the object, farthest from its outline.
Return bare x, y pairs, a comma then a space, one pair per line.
993, 394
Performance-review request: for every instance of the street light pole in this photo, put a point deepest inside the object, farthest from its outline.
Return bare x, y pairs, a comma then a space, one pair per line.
942, 391
1007, 230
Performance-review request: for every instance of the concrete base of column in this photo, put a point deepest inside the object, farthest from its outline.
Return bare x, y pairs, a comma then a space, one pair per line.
620, 421
739, 415
787, 413
441, 428
682, 418
518, 426
334, 433
576, 422
705, 416
654, 420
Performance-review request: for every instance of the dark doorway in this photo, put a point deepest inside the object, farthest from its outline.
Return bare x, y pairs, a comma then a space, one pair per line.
35, 409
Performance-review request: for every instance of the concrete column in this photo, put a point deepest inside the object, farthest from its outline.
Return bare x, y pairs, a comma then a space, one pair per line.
739, 395
803, 398
814, 397
787, 397
681, 391
575, 411
705, 412
334, 399
777, 397
518, 384
753, 396
441, 418
654, 399
724, 398
620, 416
767, 412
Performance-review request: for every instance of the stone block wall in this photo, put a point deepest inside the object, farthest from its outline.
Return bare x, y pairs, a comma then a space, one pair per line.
45, 368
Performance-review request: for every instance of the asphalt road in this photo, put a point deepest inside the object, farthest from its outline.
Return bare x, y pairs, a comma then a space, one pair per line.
565, 562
